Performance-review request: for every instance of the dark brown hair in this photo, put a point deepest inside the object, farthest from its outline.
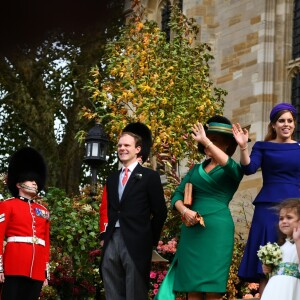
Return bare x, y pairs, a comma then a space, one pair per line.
271, 134
289, 204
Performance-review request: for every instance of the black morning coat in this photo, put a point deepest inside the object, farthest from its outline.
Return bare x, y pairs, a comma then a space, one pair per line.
141, 212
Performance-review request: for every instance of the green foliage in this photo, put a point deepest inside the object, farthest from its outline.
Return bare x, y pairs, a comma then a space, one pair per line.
234, 284
4, 194
75, 245
165, 85
41, 91
49, 293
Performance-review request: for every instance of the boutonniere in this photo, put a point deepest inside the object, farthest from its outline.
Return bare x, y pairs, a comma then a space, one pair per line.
138, 176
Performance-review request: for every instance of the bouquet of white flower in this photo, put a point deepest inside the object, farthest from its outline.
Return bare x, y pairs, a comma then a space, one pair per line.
270, 254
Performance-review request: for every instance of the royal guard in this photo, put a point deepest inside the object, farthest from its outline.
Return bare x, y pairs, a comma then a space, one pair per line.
24, 229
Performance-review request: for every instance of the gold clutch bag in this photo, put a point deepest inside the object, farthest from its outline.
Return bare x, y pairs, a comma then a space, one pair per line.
200, 219
188, 194
187, 201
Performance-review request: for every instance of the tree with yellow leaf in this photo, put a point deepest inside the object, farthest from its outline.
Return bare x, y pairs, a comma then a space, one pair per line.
165, 85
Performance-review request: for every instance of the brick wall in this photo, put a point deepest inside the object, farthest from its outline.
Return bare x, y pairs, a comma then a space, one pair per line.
251, 42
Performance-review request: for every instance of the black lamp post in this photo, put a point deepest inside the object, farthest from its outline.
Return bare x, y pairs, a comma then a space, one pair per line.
95, 151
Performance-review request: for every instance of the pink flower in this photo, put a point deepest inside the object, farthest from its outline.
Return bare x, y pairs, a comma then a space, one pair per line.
155, 285
160, 278
96, 252
253, 286
152, 274
155, 291
170, 247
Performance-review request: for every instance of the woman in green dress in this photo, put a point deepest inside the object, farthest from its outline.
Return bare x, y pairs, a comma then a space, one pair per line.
202, 261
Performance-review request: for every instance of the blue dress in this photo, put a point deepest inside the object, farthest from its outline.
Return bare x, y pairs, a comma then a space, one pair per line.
280, 165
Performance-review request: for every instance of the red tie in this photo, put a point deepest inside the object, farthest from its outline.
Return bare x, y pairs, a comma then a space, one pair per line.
125, 177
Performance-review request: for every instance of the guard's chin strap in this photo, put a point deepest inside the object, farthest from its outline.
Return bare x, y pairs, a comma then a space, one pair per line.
27, 187
25, 199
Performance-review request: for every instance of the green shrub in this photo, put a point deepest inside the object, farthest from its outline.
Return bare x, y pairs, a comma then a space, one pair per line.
75, 246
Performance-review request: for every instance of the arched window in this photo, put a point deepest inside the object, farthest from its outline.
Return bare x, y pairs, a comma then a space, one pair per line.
166, 16
296, 102
180, 4
296, 54
165, 19
296, 30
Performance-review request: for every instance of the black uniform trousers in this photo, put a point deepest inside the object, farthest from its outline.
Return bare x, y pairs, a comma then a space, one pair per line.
21, 288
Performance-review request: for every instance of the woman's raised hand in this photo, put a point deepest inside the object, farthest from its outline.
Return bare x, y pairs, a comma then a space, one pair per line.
296, 233
241, 135
199, 134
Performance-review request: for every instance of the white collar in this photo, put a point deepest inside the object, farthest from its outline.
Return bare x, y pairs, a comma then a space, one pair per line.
131, 167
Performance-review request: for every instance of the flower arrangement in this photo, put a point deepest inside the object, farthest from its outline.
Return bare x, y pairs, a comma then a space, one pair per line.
251, 291
270, 254
170, 247
157, 275
160, 269
138, 176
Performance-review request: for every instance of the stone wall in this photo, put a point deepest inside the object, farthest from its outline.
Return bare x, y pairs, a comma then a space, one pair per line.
251, 42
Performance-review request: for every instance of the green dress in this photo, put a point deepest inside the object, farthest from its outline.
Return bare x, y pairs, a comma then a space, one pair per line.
204, 254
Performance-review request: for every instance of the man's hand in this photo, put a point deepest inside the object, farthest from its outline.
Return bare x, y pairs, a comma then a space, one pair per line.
45, 283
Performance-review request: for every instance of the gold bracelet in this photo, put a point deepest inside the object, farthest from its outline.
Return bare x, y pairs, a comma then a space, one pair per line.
242, 149
208, 145
184, 211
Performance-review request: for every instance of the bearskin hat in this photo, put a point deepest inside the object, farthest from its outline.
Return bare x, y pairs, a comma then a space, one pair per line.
26, 164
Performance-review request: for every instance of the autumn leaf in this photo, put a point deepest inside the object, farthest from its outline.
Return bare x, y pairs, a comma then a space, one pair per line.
164, 84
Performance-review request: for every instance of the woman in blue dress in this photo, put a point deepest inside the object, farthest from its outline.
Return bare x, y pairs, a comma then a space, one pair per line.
278, 156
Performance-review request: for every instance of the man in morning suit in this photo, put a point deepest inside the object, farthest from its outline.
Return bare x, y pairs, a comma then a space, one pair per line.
136, 214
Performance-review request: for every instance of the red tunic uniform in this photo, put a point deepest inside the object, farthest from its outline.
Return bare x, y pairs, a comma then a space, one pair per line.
26, 227
103, 218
